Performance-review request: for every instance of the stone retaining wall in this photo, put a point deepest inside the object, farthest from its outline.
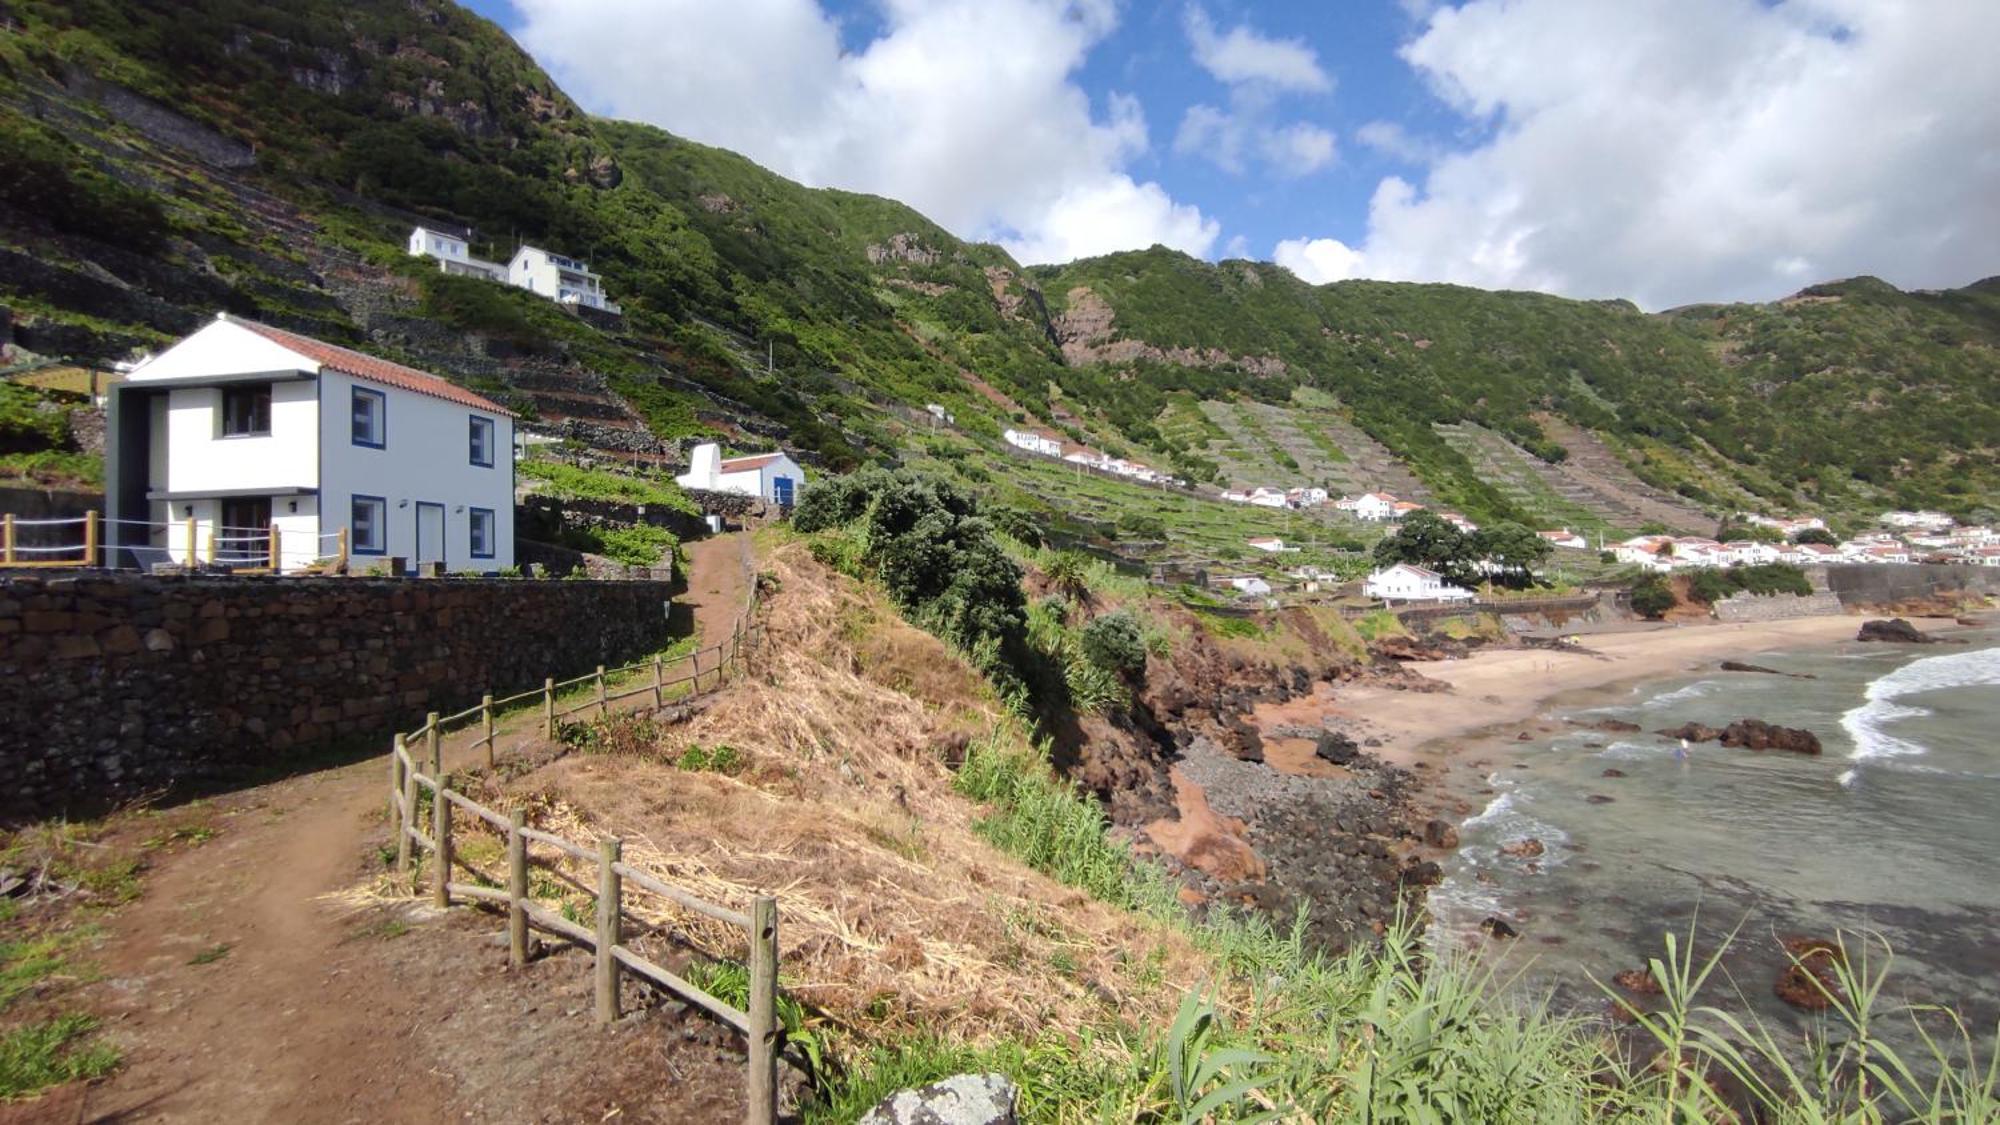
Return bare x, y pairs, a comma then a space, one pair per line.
1862, 585
112, 685
1746, 606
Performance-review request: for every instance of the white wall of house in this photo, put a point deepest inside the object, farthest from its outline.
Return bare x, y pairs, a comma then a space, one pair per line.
425, 460
1404, 582
707, 470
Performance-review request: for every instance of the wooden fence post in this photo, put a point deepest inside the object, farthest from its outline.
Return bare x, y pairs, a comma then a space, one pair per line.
549, 708
434, 746
441, 842
517, 889
603, 700
277, 551
340, 540
90, 538
192, 557
608, 850
486, 720
407, 823
7, 538
659, 682
763, 1036
395, 776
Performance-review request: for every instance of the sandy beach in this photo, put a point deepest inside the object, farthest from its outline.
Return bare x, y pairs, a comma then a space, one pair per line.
1491, 690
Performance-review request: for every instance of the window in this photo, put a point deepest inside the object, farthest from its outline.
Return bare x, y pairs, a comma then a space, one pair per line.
482, 532
368, 526
482, 441
246, 411
371, 418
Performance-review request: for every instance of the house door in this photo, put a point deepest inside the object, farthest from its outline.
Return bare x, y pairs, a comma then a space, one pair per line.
430, 532
781, 490
245, 534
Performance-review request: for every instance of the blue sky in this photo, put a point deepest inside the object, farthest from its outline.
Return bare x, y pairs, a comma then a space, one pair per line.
1663, 150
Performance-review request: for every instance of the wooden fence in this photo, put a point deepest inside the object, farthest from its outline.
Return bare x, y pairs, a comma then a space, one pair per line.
615, 878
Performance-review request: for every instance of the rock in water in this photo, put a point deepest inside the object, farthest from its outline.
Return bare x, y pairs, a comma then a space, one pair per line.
1498, 927
1897, 630
1523, 849
1336, 748
1739, 666
1809, 980
1756, 734
963, 1099
1440, 834
1639, 982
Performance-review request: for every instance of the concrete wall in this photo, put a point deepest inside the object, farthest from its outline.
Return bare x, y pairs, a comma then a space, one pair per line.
1870, 584
112, 685
1745, 606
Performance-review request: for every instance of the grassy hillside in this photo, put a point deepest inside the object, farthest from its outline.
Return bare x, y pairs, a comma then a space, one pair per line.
158, 162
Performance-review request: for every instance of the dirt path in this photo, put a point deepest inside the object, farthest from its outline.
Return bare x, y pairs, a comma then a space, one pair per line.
242, 986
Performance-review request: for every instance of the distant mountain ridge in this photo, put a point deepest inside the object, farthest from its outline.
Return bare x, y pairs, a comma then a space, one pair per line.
160, 161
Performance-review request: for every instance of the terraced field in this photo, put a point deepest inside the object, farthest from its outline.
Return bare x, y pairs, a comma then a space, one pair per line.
1592, 491
1305, 443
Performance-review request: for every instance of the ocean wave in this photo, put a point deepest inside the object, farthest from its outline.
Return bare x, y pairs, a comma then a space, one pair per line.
1681, 695
1624, 751
1868, 724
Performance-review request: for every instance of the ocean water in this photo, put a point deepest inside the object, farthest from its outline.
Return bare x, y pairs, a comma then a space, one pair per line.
1894, 831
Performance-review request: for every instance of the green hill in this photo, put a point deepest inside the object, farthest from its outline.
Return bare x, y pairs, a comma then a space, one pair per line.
160, 161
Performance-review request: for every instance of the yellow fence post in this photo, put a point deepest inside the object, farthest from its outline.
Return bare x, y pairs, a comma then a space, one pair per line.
762, 1039
90, 538
434, 745
7, 543
277, 552
608, 850
193, 556
341, 539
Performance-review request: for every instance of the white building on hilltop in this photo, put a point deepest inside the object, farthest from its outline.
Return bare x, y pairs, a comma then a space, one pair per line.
243, 431
1407, 582
452, 255
565, 281
771, 476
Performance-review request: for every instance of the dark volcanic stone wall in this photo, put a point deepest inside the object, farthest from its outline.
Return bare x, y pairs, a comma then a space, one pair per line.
112, 685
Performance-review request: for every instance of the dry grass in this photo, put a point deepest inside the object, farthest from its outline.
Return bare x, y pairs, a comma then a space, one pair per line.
894, 916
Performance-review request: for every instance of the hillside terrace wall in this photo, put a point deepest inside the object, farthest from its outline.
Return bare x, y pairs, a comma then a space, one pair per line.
114, 685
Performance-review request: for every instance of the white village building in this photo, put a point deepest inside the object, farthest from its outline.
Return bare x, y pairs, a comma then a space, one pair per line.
1371, 506
1249, 584
771, 476
452, 255
1407, 582
241, 428
565, 281
1034, 442
1564, 537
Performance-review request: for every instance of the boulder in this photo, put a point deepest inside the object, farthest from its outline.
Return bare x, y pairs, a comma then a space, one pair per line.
1693, 732
1756, 734
1896, 630
1639, 982
1525, 848
1423, 873
1613, 771
1608, 726
1440, 834
1336, 748
962, 1099
1739, 666
1498, 927
1808, 980
1600, 799
1242, 740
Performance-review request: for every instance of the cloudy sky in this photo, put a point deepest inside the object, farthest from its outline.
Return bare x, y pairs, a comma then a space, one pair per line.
1663, 150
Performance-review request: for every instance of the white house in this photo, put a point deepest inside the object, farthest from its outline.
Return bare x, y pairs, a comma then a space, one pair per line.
1266, 497
452, 255
1458, 521
1933, 520
566, 281
1750, 552
1270, 543
242, 427
1564, 537
1402, 508
773, 476
1249, 584
1406, 582
1371, 506
1034, 442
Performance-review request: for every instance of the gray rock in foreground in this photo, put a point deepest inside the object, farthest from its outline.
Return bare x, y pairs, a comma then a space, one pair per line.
962, 1099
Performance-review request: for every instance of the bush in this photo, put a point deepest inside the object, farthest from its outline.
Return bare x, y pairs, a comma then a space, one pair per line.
1116, 644
1652, 597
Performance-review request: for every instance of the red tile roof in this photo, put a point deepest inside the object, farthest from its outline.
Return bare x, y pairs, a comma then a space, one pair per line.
745, 464
350, 362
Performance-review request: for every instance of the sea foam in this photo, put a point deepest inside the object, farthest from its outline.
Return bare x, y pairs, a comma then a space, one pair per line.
1868, 725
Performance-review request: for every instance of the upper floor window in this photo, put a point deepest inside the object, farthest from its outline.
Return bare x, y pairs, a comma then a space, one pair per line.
246, 410
371, 418
482, 441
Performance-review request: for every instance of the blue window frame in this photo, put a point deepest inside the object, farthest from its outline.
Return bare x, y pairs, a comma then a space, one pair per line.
368, 525
482, 442
482, 532
371, 418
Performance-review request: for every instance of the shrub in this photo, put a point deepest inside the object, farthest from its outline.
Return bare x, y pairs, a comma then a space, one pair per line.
1652, 597
1116, 644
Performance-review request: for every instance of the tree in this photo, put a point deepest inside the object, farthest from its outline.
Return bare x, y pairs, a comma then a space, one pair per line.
1652, 597
1516, 550
1068, 574
1115, 643
1427, 540
1818, 535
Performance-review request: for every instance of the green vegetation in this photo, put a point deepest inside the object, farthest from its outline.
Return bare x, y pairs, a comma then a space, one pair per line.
1652, 597
573, 483
49, 1053
1428, 540
640, 545
1712, 584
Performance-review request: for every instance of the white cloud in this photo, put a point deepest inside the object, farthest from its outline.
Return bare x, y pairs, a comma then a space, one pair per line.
966, 109
1391, 139
1215, 135
1243, 55
1298, 149
1682, 150
1318, 260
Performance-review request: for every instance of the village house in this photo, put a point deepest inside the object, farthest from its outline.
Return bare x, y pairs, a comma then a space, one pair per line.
1034, 442
563, 280
1789, 527
1407, 582
1249, 584
1305, 497
1652, 552
1809, 554
1564, 537
242, 431
770, 476
1270, 543
1935, 521
1458, 521
452, 255
1984, 556
1371, 506
1750, 552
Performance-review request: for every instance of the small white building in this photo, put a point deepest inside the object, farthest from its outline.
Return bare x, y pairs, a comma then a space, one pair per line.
1459, 521
771, 476
1270, 543
1034, 442
1564, 537
1407, 582
565, 281
1936, 521
452, 255
242, 427
1266, 497
1371, 506
1249, 584
1749, 552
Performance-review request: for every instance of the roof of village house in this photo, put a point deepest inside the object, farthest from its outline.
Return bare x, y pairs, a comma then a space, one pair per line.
347, 361
750, 461
1412, 567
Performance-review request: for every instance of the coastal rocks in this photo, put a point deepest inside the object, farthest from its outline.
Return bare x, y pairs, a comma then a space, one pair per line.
1750, 734
1739, 666
1203, 839
1423, 873
1612, 771
1810, 981
1526, 848
1608, 726
1336, 748
1599, 799
1497, 926
1407, 649
1638, 982
1896, 630
1440, 834
962, 1099
1242, 739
